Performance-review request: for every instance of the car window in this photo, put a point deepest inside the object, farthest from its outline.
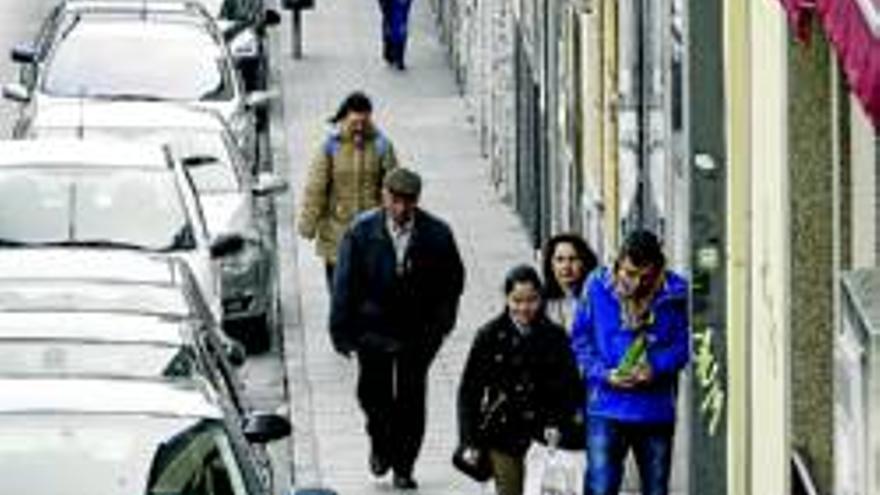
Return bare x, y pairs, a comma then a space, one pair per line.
140, 207
85, 454
200, 462
138, 60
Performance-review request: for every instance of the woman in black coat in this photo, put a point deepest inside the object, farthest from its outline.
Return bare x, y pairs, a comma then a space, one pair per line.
520, 381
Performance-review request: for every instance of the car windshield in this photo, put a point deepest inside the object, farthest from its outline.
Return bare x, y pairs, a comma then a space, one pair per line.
20, 295
137, 208
138, 60
60, 357
216, 172
91, 454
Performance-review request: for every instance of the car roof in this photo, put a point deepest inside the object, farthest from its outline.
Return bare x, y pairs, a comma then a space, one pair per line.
81, 152
97, 327
90, 113
106, 396
23, 295
100, 265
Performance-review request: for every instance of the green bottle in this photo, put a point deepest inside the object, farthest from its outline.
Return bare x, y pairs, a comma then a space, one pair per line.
636, 354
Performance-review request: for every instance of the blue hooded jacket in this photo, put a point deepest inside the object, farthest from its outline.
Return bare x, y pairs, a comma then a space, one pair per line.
599, 343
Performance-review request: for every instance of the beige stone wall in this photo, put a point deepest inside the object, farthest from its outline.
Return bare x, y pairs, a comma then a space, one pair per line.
811, 172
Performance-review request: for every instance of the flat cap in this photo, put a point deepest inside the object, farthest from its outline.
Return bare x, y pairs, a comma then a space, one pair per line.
403, 181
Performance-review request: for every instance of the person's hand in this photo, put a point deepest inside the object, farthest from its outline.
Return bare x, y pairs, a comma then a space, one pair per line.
643, 374
470, 455
621, 380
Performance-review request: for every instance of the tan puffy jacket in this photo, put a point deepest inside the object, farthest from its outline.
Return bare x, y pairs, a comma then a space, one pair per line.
343, 180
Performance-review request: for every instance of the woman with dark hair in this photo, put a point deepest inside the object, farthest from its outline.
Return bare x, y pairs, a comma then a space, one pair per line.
520, 383
345, 176
567, 260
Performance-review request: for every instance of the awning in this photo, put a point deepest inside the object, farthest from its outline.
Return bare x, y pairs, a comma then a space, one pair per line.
853, 26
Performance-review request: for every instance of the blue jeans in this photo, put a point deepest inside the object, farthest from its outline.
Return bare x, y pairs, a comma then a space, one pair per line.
608, 443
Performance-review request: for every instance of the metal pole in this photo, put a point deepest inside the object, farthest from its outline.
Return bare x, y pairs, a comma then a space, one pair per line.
296, 33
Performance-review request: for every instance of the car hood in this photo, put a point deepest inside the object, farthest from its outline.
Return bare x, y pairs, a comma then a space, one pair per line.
227, 213
54, 111
86, 264
64, 114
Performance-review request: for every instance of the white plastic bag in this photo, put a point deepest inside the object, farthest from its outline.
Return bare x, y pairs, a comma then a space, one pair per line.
553, 471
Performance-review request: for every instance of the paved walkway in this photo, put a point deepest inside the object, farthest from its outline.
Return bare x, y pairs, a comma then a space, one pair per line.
422, 112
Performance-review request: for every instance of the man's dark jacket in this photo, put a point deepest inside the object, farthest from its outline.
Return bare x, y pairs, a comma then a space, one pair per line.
377, 307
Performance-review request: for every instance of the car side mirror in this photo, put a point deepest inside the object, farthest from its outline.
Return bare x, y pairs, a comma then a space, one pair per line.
226, 244
271, 17
235, 352
258, 99
262, 427
269, 183
16, 92
23, 53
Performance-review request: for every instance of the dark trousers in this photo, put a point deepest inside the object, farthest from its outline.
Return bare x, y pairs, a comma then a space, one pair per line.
608, 443
395, 18
391, 389
329, 270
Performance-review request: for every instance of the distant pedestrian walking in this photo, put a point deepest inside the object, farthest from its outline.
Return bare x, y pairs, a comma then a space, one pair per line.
631, 339
395, 298
520, 380
566, 262
345, 176
395, 18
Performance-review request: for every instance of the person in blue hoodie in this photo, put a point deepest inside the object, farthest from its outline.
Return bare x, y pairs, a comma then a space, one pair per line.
631, 339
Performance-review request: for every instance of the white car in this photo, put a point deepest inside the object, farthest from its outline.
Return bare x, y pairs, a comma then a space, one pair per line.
126, 50
107, 196
227, 189
119, 437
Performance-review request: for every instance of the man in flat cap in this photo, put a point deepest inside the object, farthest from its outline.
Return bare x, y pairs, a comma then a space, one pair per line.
395, 298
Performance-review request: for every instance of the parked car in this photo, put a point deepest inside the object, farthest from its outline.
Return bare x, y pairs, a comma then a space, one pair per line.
133, 50
117, 345
153, 437
65, 279
107, 196
242, 24
226, 185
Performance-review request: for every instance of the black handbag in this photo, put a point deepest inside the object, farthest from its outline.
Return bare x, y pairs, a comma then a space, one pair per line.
473, 462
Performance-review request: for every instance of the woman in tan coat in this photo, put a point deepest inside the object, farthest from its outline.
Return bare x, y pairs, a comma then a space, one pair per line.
345, 177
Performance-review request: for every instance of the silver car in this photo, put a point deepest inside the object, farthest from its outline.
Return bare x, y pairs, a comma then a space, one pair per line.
135, 51
139, 437
107, 196
116, 345
227, 190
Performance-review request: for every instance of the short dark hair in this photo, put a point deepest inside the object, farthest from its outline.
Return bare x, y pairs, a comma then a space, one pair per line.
643, 248
552, 289
520, 274
357, 102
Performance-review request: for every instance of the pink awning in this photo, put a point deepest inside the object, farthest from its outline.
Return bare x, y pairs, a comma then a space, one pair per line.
853, 26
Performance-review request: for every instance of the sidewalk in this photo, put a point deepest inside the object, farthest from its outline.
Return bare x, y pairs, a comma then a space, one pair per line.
422, 112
